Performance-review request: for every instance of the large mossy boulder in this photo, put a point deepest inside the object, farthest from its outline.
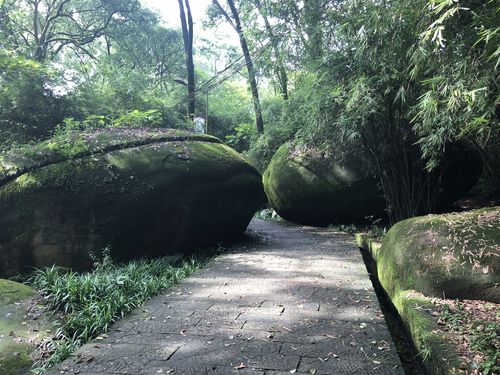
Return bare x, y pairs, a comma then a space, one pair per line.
310, 187
22, 327
452, 255
141, 192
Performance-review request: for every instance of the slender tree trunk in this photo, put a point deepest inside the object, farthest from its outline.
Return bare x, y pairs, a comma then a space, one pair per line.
236, 24
279, 69
187, 35
313, 10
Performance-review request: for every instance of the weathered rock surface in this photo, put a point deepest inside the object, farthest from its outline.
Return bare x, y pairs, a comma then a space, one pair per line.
454, 255
142, 192
20, 331
306, 187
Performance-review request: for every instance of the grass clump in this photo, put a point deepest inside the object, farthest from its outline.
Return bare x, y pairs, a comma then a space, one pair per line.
90, 302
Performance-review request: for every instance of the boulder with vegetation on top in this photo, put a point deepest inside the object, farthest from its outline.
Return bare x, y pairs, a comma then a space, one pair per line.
452, 255
307, 186
141, 192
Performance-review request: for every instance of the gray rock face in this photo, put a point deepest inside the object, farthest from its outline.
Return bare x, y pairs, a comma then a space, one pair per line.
141, 192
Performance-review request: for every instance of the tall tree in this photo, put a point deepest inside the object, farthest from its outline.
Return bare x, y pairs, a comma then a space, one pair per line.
187, 35
235, 23
41, 29
279, 68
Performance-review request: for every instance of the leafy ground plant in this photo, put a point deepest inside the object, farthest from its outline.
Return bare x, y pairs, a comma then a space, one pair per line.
477, 328
268, 214
374, 228
90, 302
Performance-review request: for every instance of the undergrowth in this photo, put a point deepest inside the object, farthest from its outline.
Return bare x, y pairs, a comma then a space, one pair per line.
90, 302
373, 228
479, 335
268, 214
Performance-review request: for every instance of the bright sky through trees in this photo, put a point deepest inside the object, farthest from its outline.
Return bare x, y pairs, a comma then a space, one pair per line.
169, 10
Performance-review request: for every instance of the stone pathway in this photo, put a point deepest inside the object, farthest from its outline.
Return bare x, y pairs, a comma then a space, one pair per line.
289, 300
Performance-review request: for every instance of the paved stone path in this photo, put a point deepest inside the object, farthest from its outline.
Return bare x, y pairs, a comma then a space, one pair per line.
290, 300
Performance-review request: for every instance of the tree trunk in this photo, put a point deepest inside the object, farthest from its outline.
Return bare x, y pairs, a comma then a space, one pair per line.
187, 35
313, 11
259, 123
279, 69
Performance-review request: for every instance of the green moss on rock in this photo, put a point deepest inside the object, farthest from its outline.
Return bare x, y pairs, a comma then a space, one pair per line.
362, 240
454, 255
78, 144
309, 187
435, 346
12, 292
165, 195
19, 335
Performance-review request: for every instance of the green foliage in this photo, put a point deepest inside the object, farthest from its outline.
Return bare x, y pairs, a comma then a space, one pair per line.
375, 230
242, 137
29, 107
138, 119
483, 336
90, 302
69, 139
399, 80
114, 58
268, 214
280, 128
229, 106
43, 29
457, 60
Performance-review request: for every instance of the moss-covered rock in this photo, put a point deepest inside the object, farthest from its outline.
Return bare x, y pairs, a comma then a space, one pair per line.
435, 346
160, 192
425, 258
20, 332
454, 255
306, 186
372, 245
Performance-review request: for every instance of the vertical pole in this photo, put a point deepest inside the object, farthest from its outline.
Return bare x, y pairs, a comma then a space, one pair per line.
206, 113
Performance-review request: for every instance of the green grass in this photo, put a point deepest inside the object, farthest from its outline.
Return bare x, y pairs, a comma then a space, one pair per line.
90, 302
